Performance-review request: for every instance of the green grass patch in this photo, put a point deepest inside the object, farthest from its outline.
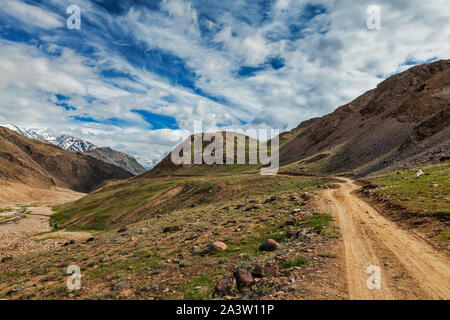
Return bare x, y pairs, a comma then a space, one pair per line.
429, 194
318, 221
199, 288
297, 262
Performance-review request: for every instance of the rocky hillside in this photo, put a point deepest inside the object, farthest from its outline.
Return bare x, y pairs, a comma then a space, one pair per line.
117, 158
403, 121
71, 143
43, 165
167, 167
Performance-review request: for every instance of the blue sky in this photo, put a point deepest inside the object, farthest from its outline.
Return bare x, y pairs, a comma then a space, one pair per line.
138, 73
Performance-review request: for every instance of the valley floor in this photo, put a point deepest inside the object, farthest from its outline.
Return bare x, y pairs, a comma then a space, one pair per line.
328, 237
25, 228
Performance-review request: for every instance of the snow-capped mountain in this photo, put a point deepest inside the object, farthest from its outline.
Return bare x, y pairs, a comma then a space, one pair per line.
66, 142
75, 144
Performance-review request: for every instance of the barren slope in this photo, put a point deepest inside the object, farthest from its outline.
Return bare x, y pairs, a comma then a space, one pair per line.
405, 119
42, 165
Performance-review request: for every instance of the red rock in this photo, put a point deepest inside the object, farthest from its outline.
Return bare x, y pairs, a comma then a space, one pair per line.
269, 245
218, 246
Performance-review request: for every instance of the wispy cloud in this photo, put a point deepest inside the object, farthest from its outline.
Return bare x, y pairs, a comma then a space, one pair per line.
138, 73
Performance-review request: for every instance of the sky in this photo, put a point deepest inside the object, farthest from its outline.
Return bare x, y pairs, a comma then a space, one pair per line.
137, 74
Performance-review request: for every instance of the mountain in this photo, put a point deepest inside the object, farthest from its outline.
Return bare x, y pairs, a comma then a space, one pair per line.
117, 158
71, 143
43, 165
403, 121
167, 167
75, 144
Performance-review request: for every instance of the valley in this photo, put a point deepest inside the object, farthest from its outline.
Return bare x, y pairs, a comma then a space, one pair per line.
359, 209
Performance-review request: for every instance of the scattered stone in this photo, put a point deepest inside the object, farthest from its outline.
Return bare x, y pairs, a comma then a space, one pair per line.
306, 196
278, 294
6, 259
226, 285
294, 197
253, 207
134, 239
269, 245
119, 285
243, 278
270, 270
68, 243
123, 229
296, 210
289, 223
258, 271
419, 173
16, 289
253, 201
218, 246
143, 230
292, 233
90, 239
272, 198
172, 229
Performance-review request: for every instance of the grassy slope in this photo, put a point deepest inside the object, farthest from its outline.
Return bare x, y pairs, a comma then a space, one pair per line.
176, 265
137, 199
429, 194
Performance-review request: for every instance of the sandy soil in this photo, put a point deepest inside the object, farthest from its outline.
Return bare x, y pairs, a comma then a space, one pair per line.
25, 233
410, 267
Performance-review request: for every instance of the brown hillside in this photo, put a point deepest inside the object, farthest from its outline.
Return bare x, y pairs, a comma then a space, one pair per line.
404, 120
43, 165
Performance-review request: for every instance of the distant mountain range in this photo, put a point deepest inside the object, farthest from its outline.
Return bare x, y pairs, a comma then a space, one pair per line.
74, 144
28, 166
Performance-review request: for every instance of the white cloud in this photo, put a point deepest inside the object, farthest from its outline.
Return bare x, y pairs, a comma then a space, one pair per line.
331, 60
32, 15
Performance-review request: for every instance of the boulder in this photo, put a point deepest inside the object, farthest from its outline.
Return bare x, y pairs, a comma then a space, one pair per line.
258, 271
267, 270
244, 278
270, 270
269, 245
218, 246
226, 285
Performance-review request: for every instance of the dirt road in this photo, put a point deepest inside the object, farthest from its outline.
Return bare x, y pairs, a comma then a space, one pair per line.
409, 267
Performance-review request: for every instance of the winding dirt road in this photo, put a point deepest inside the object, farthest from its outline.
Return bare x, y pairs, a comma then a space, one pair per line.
410, 268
